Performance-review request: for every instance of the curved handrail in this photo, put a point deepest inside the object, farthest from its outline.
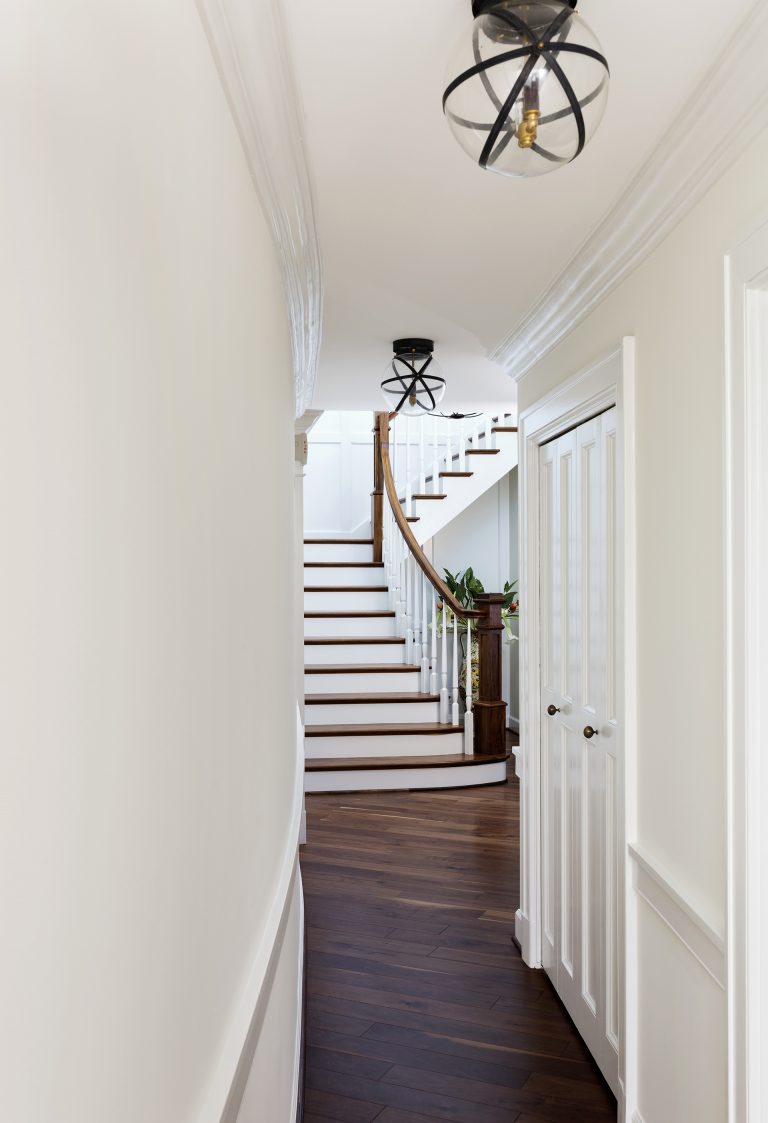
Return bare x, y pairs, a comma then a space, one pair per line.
423, 562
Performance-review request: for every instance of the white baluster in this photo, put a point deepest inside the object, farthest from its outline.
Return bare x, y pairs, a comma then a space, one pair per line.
435, 458
455, 676
444, 669
469, 717
408, 489
462, 445
416, 613
448, 448
433, 652
408, 610
422, 456
425, 591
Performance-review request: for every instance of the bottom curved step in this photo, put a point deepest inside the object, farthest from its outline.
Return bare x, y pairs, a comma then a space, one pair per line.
357, 774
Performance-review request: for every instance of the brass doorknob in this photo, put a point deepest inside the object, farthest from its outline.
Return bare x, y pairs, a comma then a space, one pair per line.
552, 710
589, 732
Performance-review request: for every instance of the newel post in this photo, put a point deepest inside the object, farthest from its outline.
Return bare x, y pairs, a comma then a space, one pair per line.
377, 495
490, 708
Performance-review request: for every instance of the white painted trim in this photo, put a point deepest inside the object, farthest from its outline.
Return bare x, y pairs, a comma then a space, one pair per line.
746, 560
224, 1095
251, 47
689, 159
513, 723
698, 935
609, 380
300, 1027
637, 1117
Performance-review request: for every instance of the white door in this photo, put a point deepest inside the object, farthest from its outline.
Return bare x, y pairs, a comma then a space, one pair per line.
582, 739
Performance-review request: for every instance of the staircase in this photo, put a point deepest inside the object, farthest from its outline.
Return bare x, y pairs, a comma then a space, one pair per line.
373, 678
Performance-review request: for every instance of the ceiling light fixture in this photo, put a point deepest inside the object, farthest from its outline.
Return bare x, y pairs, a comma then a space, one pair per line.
415, 385
531, 86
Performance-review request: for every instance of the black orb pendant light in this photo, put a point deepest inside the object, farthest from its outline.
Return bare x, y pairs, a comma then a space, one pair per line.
528, 86
415, 385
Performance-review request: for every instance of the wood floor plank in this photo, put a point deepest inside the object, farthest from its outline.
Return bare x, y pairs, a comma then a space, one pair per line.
419, 1006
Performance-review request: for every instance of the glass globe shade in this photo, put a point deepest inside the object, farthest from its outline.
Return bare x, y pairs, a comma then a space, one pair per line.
528, 87
413, 383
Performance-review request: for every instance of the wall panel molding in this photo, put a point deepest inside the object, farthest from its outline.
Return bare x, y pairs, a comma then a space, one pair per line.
687, 162
250, 45
700, 937
223, 1099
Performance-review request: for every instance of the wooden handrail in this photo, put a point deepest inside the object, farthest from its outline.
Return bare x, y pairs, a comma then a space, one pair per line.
447, 597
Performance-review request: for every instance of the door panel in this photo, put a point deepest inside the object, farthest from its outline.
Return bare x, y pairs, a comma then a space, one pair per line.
580, 827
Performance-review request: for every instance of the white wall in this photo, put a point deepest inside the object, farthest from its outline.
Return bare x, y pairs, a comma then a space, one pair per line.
673, 304
339, 475
147, 718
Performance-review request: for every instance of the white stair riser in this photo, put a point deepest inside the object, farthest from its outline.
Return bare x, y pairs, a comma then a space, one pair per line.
316, 653
487, 470
371, 713
405, 779
349, 626
338, 552
343, 575
346, 602
385, 744
378, 682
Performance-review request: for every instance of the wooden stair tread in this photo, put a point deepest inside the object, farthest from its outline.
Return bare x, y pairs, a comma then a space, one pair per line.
338, 541
359, 668
362, 699
346, 588
377, 763
504, 429
482, 452
412, 518
456, 475
426, 495
338, 640
395, 729
343, 565
362, 613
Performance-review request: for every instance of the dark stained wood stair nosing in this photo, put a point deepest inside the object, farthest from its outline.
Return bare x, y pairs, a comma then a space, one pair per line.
456, 475
482, 451
379, 763
333, 641
343, 565
426, 495
338, 541
333, 614
383, 729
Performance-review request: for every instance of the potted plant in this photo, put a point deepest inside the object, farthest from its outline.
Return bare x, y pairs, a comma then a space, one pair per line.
466, 587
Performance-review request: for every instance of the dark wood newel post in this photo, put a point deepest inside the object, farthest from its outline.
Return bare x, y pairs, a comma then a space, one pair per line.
377, 495
490, 708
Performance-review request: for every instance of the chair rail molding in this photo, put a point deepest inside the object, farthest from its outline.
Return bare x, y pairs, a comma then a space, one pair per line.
675, 908
250, 45
679, 171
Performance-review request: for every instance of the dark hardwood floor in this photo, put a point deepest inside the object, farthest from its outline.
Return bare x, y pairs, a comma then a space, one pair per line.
419, 1006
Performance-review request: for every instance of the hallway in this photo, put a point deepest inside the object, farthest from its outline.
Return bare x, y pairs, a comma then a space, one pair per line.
419, 1006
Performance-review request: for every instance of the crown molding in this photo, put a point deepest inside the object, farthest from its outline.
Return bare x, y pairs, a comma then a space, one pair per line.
251, 48
729, 104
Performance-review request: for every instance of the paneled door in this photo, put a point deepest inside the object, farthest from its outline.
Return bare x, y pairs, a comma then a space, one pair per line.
582, 738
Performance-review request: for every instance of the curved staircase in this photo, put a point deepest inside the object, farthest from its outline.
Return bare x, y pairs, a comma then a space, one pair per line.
377, 683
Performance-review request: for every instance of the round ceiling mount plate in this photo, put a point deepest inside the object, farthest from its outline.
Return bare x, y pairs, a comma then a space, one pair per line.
423, 346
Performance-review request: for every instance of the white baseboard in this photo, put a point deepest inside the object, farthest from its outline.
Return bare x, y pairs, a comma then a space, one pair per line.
513, 723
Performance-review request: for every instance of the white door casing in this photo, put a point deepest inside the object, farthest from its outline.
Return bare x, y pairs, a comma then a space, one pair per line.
578, 773
746, 543
609, 381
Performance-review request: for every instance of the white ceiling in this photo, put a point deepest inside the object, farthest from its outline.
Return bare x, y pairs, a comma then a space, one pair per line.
415, 239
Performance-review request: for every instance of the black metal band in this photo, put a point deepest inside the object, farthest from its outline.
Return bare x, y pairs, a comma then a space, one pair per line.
514, 93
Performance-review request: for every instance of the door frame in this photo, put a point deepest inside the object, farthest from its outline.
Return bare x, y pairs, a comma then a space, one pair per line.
608, 381
746, 560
